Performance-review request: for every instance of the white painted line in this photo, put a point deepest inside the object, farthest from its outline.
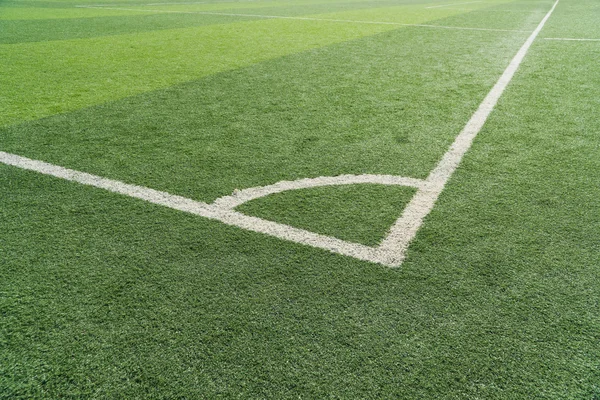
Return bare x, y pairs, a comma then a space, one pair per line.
307, 19
139, 192
245, 195
498, 10
453, 4
573, 39
406, 227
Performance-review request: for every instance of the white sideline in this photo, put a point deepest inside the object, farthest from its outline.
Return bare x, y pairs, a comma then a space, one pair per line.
453, 4
573, 39
304, 19
391, 252
406, 227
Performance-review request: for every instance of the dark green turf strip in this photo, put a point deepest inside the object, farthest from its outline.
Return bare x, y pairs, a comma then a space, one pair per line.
387, 104
357, 213
21, 31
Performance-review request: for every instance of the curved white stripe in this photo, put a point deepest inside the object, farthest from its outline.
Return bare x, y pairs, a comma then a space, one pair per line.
242, 196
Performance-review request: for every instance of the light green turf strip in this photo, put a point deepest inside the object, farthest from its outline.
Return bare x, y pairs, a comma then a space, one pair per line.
46, 30
53, 77
54, 13
77, 9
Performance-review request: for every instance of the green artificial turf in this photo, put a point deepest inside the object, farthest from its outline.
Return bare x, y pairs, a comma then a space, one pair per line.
105, 296
356, 107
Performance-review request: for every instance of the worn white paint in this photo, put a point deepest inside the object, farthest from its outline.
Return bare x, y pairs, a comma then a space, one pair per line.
574, 39
391, 252
453, 4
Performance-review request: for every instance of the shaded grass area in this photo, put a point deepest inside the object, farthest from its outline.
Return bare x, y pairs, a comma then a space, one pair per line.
41, 13
388, 104
357, 213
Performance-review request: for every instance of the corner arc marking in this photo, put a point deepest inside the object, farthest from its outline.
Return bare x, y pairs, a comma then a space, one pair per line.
240, 197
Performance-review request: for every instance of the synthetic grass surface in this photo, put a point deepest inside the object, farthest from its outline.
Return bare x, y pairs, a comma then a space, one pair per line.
109, 297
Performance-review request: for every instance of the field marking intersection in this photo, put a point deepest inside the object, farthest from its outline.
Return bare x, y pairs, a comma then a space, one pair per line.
221, 210
390, 252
